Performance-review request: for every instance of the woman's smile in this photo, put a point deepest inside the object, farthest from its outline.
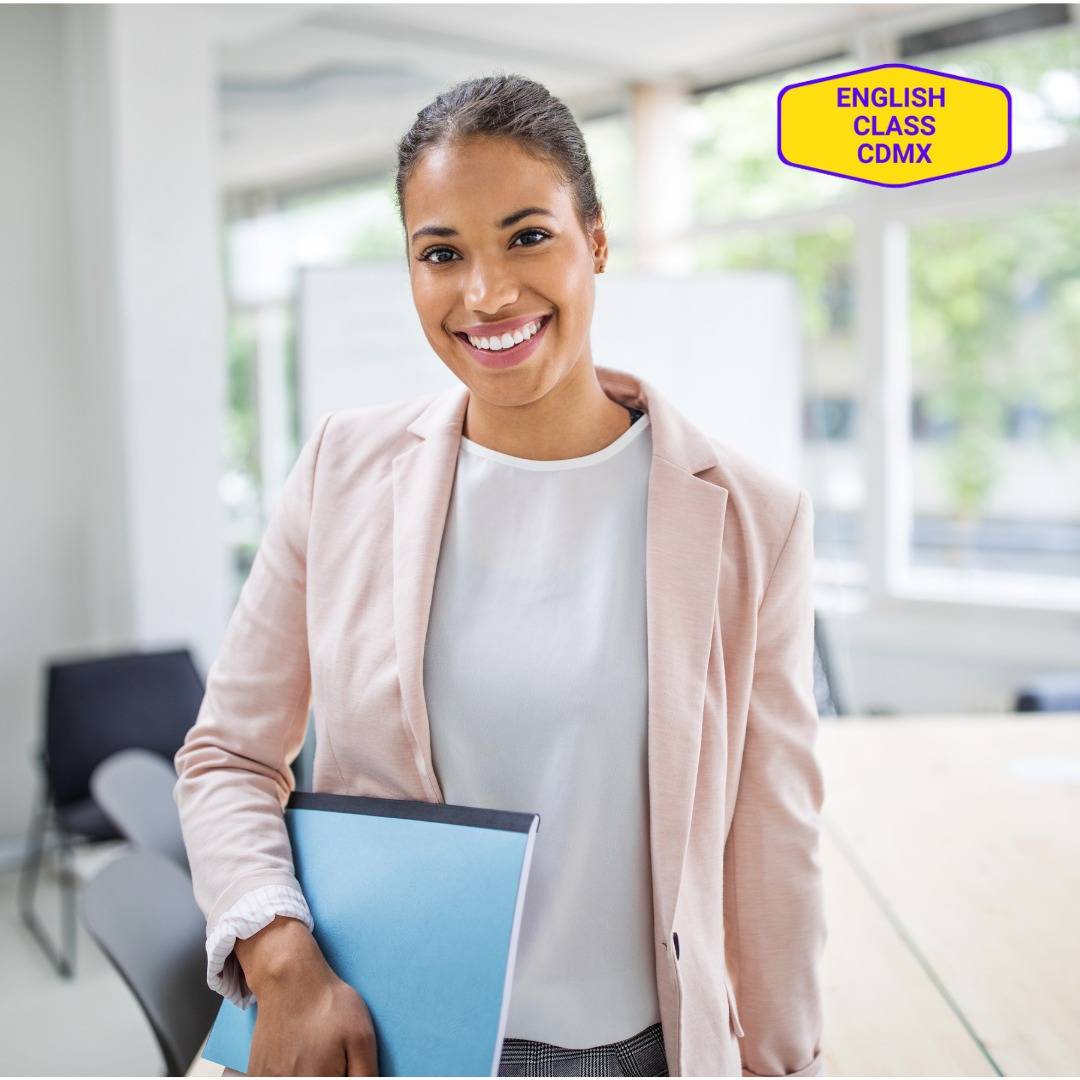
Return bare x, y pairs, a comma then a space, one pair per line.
503, 355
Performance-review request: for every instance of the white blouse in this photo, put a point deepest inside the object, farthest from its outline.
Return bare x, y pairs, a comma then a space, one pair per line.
536, 683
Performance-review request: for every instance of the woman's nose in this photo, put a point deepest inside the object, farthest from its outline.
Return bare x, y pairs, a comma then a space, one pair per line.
490, 288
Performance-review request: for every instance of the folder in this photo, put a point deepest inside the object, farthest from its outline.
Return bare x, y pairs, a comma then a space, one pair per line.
417, 906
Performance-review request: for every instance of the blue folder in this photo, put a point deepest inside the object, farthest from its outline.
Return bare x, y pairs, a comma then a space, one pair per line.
417, 907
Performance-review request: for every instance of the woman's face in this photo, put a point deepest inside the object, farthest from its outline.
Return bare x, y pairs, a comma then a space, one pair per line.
476, 261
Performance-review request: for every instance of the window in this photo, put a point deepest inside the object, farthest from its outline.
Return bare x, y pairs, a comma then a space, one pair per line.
995, 367
736, 171
744, 201
240, 484
1040, 68
264, 252
820, 262
611, 154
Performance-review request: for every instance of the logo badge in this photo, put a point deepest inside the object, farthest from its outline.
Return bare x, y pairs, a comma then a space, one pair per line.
894, 125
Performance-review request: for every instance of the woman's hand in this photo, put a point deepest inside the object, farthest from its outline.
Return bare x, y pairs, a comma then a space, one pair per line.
310, 1022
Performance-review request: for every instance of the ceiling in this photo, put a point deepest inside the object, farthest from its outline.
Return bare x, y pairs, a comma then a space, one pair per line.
311, 92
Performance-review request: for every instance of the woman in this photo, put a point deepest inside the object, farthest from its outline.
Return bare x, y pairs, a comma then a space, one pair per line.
548, 591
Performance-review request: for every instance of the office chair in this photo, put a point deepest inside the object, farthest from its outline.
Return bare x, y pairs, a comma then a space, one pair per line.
134, 788
141, 912
1057, 691
825, 687
95, 707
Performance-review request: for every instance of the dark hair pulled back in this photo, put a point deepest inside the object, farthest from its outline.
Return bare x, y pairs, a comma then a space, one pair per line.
510, 107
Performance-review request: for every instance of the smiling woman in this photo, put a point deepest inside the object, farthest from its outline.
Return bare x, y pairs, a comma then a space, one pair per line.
511, 595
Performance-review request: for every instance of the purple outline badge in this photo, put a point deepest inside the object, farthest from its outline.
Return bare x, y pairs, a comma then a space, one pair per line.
906, 183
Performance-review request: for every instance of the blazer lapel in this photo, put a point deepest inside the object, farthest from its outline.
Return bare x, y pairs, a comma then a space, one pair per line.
423, 482
685, 524
685, 527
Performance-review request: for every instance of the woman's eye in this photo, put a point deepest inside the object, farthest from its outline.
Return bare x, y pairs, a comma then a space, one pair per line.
427, 256
435, 251
531, 232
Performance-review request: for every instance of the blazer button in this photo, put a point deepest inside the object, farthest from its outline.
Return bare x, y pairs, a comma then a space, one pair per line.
675, 940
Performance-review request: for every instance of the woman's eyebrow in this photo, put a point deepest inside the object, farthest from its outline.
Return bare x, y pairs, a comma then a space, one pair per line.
511, 219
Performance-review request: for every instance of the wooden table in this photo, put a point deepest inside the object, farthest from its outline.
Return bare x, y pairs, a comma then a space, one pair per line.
951, 850
952, 855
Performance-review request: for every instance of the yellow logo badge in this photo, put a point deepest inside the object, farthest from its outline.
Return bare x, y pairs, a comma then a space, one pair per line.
894, 125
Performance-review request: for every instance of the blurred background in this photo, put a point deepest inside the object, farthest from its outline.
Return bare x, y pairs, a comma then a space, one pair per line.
178, 179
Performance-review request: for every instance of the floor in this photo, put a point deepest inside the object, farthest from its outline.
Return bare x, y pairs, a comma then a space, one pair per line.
952, 867
89, 1025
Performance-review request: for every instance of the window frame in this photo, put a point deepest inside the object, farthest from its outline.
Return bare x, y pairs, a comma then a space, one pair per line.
885, 573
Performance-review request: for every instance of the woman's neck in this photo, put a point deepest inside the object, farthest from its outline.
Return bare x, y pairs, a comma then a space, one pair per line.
575, 419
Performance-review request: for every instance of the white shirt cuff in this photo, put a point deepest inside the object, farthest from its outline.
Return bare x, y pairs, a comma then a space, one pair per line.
251, 913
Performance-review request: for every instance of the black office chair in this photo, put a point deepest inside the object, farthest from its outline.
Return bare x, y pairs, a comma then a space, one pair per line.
1056, 691
93, 709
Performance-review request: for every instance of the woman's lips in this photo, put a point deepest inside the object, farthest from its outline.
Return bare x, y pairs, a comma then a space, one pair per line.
505, 358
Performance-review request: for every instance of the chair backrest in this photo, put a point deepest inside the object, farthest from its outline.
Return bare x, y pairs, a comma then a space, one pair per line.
141, 912
95, 707
134, 789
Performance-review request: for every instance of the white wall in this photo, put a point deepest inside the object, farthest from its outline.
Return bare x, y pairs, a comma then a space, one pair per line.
171, 317
112, 308
43, 539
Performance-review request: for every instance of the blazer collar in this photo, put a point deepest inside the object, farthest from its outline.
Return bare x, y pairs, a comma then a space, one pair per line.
675, 439
685, 528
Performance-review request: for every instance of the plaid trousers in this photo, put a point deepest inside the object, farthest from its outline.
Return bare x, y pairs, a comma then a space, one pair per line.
640, 1055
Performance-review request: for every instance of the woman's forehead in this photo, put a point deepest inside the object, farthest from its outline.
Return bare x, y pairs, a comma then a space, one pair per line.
484, 183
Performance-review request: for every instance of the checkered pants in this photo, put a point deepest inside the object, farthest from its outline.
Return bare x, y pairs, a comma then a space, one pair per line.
640, 1055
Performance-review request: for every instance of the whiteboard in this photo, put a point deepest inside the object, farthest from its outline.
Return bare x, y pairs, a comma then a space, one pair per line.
725, 348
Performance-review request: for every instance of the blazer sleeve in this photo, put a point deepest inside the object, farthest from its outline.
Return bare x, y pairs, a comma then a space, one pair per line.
774, 900
234, 765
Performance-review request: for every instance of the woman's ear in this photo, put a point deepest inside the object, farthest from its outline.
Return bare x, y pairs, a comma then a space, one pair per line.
598, 240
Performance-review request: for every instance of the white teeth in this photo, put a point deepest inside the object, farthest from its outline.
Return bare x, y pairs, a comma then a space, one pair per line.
506, 341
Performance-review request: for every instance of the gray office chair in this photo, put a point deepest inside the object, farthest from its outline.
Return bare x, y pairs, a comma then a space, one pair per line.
134, 789
141, 912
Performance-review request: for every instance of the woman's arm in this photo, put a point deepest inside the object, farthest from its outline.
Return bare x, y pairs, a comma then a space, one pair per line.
774, 901
235, 777
234, 771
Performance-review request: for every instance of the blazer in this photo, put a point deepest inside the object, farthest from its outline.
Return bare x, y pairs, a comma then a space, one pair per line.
334, 613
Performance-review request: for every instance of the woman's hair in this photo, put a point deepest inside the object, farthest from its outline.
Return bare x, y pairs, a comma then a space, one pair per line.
510, 107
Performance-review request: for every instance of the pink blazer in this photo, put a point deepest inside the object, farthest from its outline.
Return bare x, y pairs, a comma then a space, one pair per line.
334, 616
